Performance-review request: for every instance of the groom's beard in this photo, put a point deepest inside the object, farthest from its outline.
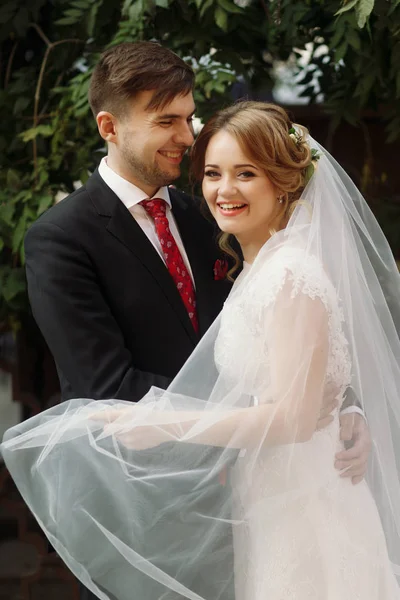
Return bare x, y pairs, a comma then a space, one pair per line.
150, 174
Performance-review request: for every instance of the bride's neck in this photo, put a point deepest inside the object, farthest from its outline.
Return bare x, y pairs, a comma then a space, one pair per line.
251, 246
252, 242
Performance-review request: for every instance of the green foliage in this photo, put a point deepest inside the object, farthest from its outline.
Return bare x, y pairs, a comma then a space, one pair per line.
48, 48
355, 55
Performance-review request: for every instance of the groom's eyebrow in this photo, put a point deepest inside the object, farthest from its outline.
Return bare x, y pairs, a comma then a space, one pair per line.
174, 116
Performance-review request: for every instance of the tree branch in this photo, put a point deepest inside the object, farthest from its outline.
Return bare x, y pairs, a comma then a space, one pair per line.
36, 105
70, 41
49, 47
266, 9
41, 33
9, 64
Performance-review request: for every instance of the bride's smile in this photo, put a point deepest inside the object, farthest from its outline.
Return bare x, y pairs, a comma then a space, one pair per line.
239, 194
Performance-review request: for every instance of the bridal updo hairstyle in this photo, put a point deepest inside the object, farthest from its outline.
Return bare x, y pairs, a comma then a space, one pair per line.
262, 131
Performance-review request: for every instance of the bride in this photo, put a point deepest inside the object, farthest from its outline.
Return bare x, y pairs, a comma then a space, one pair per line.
316, 305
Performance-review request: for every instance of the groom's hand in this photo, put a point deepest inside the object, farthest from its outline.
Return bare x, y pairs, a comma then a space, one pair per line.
330, 402
354, 429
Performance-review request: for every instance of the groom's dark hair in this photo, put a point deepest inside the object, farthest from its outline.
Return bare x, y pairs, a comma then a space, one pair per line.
132, 67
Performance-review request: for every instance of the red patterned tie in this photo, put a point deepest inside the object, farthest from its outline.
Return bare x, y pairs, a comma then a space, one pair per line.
156, 208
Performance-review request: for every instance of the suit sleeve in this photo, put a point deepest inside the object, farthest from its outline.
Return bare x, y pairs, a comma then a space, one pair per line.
76, 321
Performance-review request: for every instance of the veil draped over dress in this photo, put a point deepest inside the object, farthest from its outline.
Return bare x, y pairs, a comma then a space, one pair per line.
219, 488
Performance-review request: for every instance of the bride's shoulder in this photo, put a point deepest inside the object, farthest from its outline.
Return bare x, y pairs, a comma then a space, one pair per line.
292, 259
301, 270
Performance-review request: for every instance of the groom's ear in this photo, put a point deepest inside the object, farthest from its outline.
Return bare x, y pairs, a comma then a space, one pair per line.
106, 123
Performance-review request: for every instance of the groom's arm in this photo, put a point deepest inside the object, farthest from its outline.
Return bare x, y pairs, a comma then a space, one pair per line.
76, 321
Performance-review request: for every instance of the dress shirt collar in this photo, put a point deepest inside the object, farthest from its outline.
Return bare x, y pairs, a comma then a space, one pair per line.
126, 191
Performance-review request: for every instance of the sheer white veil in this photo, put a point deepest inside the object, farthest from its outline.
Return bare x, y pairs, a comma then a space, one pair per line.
157, 522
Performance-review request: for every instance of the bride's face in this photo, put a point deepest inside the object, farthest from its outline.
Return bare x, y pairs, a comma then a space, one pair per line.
239, 194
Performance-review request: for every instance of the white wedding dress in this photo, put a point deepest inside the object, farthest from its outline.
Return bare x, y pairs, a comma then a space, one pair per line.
135, 518
310, 534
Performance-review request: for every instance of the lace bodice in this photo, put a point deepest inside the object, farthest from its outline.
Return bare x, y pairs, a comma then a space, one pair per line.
243, 345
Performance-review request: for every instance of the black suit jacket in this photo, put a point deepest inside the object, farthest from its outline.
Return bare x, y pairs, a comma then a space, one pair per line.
104, 300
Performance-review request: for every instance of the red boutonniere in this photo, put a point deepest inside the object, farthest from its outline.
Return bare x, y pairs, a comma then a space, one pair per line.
220, 269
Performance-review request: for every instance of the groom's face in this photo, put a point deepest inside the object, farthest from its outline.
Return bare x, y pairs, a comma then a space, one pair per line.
151, 143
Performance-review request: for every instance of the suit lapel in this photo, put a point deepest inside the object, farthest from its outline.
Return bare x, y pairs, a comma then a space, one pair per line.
124, 228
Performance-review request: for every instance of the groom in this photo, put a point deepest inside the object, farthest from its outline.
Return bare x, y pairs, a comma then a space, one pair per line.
110, 305
121, 274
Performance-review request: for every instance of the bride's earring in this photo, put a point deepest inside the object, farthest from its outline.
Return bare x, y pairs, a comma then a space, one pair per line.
281, 198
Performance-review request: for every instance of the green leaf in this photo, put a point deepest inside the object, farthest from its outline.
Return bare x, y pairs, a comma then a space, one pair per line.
18, 235
43, 178
162, 3
309, 172
365, 84
25, 196
65, 21
92, 20
364, 9
353, 39
207, 5
340, 51
74, 13
340, 30
395, 4
44, 204
13, 179
14, 285
7, 214
30, 134
221, 18
125, 7
230, 7
82, 4
21, 104
346, 7
136, 10
1, 244
84, 176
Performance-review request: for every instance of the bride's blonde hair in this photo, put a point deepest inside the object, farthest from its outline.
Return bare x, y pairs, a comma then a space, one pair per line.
262, 131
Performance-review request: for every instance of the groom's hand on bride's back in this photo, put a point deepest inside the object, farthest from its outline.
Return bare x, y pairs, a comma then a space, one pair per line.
354, 460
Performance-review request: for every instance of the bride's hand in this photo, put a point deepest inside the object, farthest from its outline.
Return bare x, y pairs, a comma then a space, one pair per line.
138, 436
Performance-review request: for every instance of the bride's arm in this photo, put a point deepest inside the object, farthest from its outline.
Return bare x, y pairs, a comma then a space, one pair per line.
298, 345
298, 349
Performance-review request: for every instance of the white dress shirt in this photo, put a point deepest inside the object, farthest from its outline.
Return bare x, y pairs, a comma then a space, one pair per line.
131, 196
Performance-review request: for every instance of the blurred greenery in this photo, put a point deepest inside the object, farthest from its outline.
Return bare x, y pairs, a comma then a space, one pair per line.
48, 48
